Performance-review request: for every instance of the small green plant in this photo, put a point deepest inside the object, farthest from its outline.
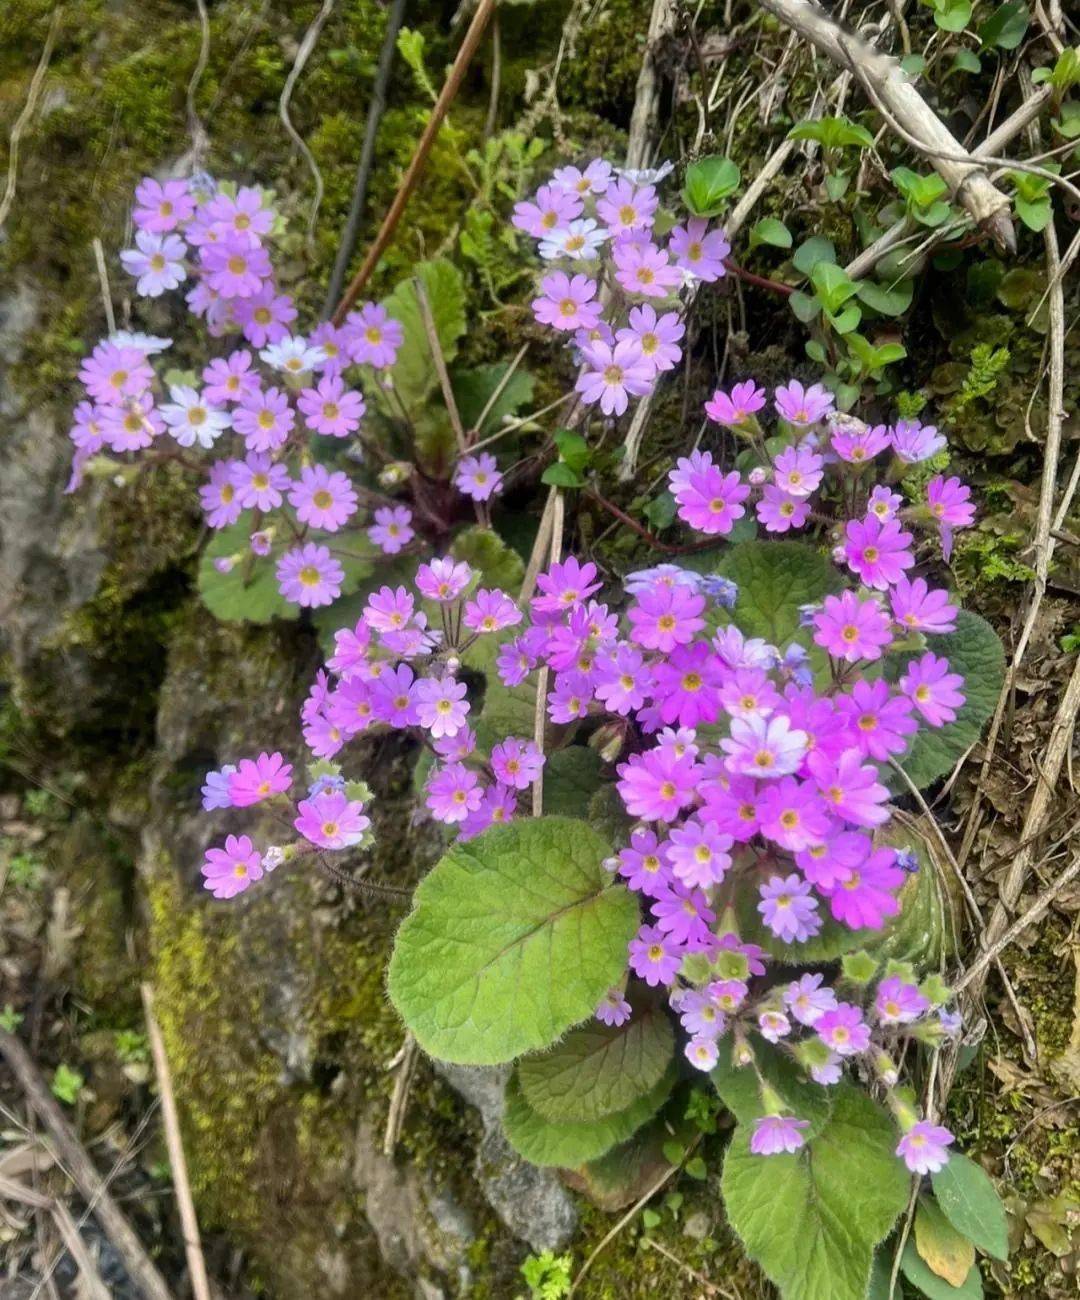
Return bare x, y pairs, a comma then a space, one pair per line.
131, 1047
10, 1019
547, 1275
40, 803
67, 1084
985, 368
26, 871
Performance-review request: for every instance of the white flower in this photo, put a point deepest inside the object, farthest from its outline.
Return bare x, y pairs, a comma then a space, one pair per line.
580, 239
645, 175
294, 355
191, 420
147, 344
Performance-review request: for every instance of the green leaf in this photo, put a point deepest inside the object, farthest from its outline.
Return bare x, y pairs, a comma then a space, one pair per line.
739, 1091
812, 251
945, 1252
571, 778
1034, 213
661, 510
248, 593
485, 551
888, 299
514, 937
569, 1143
709, 182
833, 133
812, 1220
934, 1287
597, 1069
975, 652
774, 578
413, 373
971, 1204
832, 285
951, 15
1006, 26
474, 388
803, 306
561, 475
966, 61
573, 449
913, 64
769, 230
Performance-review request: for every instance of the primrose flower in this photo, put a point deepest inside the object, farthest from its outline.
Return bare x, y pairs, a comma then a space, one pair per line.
235, 270
392, 530
899, 1003
950, 505
229, 871
218, 497
265, 316
924, 1147
567, 303
330, 408
579, 240
264, 419
642, 268
555, 207
372, 336
656, 785
644, 864
478, 476
919, 609
259, 483
613, 1009
934, 691
614, 374
309, 576
803, 406
766, 748
709, 500
654, 956
866, 897
453, 791
162, 206
914, 442
808, 1000
331, 820
626, 207
215, 791
490, 611
850, 628
736, 407
877, 552
779, 511
254, 780
774, 1134
191, 419
113, 373
857, 443
656, 336
443, 579
702, 1053
322, 498
245, 218
789, 909
157, 261
699, 251
516, 763
843, 1029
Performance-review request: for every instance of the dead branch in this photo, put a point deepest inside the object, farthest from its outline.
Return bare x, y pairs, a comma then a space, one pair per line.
894, 95
311, 37
23, 120
647, 92
75, 1161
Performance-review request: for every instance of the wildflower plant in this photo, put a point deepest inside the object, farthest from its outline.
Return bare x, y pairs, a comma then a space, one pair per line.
676, 849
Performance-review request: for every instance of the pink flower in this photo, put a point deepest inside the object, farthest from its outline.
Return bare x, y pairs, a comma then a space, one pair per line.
856, 443
516, 763
644, 864
933, 690
843, 1029
850, 628
162, 206
950, 504
394, 697
623, 682
685, 915
826, 865
657, 336
309, 576
243, 219
614, 374
775, 1134
685, 687
807, 1000
737, 407
654, 956
877, 552
779, 511
899, 1003
565, 585
765, 748
264, 419
709, 500
330, 408
229, 871
803, 406
666, 617
788, 908
613, 1009
698, 853
791, 813
218, 497
157, 261
867, 896
257, 779
441, 705
323, 499
924, 1147
878, 721
265, 316
452, 793
443, 579
644, 269
490, 611
570, 698
133, 426
372, 337
565, 303
392, 530
259, 483
850, 788
235, 270
555, 207
914, 442
389, 609
702, 1053
625, 207
916, 606
478, 476
884, 504
331, 820
231, 378
798, 471
698, 251
112, 373
655, 785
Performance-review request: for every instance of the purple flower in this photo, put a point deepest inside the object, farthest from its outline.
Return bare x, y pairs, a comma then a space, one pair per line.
914, 442
667, 617
788, 908
924, 1147
259, 483
157, 261
372, 337
229, 871
709, 500
265, 316
218, 497
737, 407
765, 748
112, 373
654, 956
133, 426
235, 270
453, 791
478, 476
698, 853
798, 471
323, 499
916, 606
254, 780
564, 585
878, 721
516, 763
950, 504
569, 701
655, 785
330, 408
780, 512
792, 814
933, 690
702, 1053
684, 914
228, 379
614, 374
807, 1000
567, 303
699, 1014
868, 895
392, 530
309, 576
856, 442
613, 1009
627, 207
899, 1003
443, 579
215, 791
657, 336
850, 788
776, 1134
773, 1025
843, 1029
441, 705
490, 611
883, 503
850, 628
555, 207
331, 820
699, 251
644, 864
642, 268
244, 218
877, 552
161, 206
803, 406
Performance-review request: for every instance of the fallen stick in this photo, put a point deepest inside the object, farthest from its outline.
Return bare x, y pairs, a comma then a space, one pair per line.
419, 159
11, 1189
80, 1168
885, 81
189, 1223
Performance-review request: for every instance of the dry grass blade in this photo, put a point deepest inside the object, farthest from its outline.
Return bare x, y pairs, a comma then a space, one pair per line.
23, 120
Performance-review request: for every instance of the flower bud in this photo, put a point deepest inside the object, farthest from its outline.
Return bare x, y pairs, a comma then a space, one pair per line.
394, 474
757, 476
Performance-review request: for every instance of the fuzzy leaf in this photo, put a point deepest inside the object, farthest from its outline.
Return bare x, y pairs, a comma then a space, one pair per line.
570, 1143
970, 1202
598, 1069
942, 1249
623, 1174
975, 651
473, 390
413, 373
248, 593
484, 550
738, 1087
514, 937
812, 1220
774, 579
571, 778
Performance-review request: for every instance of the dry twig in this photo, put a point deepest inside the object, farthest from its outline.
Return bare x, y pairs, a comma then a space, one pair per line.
23, 120
311, 37
395, 1118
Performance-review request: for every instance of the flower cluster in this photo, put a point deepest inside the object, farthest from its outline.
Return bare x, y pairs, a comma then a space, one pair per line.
615, 294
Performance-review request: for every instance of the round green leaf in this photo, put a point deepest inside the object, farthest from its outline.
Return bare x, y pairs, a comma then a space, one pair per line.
515, 936
971, 1204
774, 579
598, 1069
484, 550
570, 1143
